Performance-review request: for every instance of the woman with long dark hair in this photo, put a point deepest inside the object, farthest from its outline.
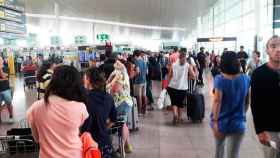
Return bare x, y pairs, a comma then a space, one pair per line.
56, 119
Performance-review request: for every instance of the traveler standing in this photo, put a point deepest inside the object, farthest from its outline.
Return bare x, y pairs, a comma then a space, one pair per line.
254, 63
178, 85
174, 56
243, 57
56, 119
265, 99
216, 68
201, 60
118, 83
5, 92
228, 117
102, 111
139, 86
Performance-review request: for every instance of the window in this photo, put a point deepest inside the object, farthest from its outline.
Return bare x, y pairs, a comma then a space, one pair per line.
248, 5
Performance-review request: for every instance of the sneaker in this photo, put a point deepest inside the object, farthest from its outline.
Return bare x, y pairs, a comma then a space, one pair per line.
128, 148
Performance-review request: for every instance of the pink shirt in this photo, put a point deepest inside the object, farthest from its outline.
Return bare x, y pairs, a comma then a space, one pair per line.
56, 127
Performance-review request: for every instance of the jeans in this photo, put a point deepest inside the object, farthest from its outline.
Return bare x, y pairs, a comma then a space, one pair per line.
6, 96
270, 152
123, 111
232, 142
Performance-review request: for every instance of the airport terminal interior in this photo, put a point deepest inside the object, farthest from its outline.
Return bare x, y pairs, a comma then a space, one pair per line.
139, 78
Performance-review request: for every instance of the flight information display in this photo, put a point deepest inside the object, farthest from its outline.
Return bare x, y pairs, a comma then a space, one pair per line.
12, 27
12, 19
17, 5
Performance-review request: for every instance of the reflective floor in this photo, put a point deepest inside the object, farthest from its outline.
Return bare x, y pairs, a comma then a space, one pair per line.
157, 138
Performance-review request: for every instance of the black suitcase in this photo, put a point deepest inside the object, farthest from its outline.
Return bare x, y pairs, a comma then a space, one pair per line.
195, 106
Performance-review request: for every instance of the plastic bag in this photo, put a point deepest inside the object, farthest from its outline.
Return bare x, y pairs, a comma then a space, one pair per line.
161, 99
167, 100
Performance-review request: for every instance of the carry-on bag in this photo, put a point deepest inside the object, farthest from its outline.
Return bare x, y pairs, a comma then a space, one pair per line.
195, 105
133, 119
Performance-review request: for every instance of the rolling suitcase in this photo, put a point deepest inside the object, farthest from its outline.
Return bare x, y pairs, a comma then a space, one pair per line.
195, 105
133, 119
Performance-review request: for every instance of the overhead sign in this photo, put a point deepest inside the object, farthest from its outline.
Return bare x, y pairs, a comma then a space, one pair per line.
56, 40
12, 27
127, 49
103, 37
8, 35
17, 5
11, 15
217, 39
80, 40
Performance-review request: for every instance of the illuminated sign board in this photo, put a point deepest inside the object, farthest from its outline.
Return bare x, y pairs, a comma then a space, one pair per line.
56, 40
11, 15
80, 40
217, 39
103, 37
17, 5
12, 27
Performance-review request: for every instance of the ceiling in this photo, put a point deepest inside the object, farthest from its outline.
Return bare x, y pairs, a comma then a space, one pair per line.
170, 13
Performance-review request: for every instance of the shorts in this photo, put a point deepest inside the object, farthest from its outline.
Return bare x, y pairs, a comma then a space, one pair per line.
177, 97
6, 96
139, 90
123, 111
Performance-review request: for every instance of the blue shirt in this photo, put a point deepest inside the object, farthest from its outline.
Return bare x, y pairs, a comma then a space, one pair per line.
232, 116
141, 77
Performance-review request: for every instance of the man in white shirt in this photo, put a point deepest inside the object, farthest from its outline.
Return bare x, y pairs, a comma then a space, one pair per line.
177, 88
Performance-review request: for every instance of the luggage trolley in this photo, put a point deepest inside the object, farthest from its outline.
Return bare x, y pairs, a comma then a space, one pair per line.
29, 75
116, 131
18, 146
14, 146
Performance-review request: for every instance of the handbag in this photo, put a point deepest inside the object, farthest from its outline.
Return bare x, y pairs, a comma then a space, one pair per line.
89, 147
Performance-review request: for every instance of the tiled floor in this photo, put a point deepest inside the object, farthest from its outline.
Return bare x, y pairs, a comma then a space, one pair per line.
157, 138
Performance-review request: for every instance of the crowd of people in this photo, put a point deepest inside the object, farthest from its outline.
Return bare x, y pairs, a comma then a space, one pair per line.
92, 100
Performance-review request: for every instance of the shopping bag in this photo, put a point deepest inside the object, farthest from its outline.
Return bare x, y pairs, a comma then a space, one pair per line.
161, 99
167, 100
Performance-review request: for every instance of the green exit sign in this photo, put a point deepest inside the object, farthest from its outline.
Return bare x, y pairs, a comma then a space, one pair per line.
80, 39
55, 40
103, 37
